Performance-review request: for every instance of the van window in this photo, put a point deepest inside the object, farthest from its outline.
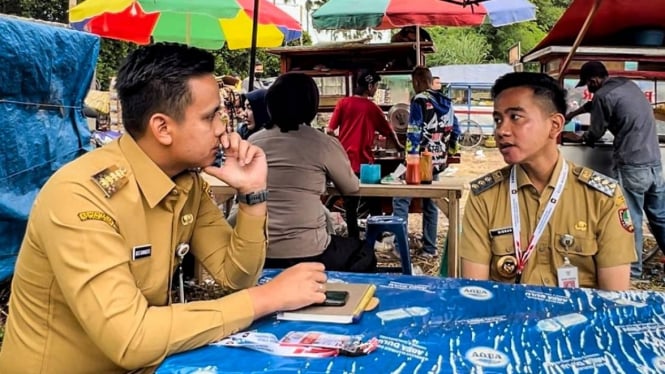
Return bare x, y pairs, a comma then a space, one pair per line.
459, 96
481, 97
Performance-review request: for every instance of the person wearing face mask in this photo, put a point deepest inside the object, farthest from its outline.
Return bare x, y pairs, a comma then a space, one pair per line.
256, 114
620, 106
543, 220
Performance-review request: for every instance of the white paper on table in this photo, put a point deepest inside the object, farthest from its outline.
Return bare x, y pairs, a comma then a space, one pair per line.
399, 171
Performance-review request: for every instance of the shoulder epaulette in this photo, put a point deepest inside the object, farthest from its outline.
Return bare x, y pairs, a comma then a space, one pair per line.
596, 180
110, 179
487, 181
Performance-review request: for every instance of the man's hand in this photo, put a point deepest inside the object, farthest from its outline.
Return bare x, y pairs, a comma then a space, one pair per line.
245, 167
296, 287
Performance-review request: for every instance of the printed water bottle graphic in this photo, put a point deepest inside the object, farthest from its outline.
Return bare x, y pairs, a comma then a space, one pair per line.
400, 313
561, 322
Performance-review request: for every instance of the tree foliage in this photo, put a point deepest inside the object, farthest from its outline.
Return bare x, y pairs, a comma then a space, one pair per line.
458, 46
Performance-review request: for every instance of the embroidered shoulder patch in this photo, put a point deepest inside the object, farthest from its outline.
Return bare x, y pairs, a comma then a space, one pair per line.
625, 220
598, 181
486, 182
111, 179
97, 216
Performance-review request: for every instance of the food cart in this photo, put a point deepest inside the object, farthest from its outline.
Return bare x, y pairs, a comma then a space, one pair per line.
335, 68
627, 36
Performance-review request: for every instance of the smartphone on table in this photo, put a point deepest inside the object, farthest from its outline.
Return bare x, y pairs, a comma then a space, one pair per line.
336, 298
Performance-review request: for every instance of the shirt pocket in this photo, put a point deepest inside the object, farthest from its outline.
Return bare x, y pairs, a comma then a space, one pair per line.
503, 265
581, 253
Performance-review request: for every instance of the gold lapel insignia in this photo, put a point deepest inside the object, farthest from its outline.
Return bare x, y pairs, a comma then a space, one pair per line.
507, 266
110, 180
187, 219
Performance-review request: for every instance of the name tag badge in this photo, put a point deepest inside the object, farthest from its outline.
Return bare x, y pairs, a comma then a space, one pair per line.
501, 231
141, 251
567, 275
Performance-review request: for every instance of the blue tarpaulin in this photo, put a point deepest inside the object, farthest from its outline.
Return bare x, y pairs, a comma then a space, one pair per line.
445, 326
45, 72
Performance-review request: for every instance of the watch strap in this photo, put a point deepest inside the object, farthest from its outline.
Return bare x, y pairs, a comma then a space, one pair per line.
252, 198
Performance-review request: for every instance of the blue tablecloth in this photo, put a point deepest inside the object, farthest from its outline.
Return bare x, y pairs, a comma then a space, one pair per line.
462, 326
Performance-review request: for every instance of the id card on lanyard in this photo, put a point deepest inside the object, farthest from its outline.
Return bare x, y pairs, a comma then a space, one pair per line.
523, 256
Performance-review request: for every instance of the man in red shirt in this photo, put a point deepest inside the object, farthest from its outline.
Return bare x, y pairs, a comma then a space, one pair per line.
358, 119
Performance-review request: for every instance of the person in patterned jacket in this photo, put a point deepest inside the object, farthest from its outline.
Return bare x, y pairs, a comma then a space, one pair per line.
433, 127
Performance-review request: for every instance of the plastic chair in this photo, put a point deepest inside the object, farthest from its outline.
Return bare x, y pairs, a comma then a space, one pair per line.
377, 225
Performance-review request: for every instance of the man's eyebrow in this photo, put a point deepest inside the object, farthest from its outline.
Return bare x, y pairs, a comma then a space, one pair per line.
510, 109
213, 111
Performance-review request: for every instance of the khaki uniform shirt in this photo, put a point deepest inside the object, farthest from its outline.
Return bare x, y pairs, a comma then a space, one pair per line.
591, 209
91, 287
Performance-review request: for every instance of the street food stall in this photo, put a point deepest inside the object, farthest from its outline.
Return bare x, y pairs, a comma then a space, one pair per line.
335, 68
627, 36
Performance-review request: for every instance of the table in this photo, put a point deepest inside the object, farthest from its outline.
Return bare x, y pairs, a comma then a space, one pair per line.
445, 193
453, 325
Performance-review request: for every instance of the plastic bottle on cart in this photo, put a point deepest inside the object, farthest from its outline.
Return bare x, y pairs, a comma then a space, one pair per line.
413, 169
426, 167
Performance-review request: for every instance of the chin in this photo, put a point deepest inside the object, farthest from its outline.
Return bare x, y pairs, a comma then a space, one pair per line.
512, 157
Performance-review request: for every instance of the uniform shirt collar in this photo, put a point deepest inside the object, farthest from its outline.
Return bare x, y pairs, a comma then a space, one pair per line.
523, 179
152, 180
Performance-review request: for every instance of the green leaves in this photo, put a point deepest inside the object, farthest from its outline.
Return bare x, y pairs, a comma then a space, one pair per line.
490, 44
458, 46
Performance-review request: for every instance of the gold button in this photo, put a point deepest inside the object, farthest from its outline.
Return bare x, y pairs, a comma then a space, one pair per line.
174, 192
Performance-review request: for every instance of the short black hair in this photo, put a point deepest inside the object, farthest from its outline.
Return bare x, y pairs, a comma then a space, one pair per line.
421, 78
155, 79
292, 100
592, 69
544, 87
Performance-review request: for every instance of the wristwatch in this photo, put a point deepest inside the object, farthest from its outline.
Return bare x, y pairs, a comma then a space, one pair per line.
252, 198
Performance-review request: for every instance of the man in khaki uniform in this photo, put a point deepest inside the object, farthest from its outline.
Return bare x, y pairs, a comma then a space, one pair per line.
571, 216
91, 290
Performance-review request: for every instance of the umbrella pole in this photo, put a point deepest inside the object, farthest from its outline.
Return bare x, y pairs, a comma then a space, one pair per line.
252, 51
578, 40
417, 45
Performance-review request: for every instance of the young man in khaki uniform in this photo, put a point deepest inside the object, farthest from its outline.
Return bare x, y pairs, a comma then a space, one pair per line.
91, 290
543, 220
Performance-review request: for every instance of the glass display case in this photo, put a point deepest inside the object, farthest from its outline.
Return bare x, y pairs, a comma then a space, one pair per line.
394, 89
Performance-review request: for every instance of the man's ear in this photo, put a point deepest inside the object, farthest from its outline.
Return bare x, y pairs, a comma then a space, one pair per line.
558, 121
160, 126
